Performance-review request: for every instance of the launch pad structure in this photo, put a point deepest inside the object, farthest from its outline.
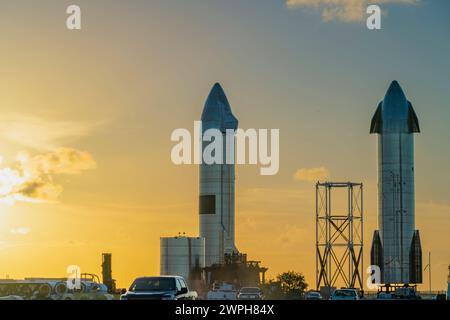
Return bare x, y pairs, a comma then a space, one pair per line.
236, 270
339, 237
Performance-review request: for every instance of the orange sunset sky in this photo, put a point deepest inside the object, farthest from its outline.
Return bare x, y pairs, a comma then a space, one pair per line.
86, 118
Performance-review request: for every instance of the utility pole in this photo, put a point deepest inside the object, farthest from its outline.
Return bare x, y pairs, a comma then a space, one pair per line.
429, 270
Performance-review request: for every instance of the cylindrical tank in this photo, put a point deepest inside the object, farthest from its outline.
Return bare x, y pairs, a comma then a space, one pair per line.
182, 256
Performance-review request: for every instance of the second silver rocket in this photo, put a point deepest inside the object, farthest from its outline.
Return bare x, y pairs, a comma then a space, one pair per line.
396, 247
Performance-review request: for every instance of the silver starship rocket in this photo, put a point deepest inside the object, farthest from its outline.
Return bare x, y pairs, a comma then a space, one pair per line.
216, 204
396, 247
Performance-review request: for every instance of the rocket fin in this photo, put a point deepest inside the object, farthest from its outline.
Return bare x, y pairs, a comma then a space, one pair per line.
415, 259
376, 252
377, 120
413, 121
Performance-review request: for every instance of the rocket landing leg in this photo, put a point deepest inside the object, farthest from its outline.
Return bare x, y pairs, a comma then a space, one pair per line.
415, 259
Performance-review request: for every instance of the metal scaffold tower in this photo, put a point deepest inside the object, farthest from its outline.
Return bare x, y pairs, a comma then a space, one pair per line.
339, 237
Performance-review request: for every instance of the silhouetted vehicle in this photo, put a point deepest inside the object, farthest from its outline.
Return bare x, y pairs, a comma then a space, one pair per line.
406, 293
385, 296
250, 293
345, 294
159, 288
223, 291
313, 295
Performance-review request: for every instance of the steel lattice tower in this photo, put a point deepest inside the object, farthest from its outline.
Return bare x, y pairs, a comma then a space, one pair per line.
339, 237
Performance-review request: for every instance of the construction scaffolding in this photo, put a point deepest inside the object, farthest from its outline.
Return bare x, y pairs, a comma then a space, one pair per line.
339, 238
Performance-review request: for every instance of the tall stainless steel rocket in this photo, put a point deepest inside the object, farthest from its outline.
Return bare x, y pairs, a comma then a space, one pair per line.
216, 204
396, 247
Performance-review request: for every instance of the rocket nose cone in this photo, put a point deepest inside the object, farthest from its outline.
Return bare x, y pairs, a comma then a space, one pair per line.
395, 103
217, 94
217, 109
395, 113
395, 110
395, 84
214, 103
217, 87
395, 92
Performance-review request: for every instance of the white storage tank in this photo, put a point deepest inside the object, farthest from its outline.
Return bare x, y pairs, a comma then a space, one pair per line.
182, 256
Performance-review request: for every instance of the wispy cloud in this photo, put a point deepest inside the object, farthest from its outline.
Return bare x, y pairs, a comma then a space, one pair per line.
41, 134
311, 174
32, 179
21, 230
344, 10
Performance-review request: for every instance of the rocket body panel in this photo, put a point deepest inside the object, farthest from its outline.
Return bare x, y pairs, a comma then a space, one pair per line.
396, 204
217, 183
396, 121
217, 226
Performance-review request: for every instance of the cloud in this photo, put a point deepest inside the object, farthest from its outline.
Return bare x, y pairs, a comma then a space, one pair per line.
311, 174
61, 161
344, 10
21, 230
32, 179
41, 134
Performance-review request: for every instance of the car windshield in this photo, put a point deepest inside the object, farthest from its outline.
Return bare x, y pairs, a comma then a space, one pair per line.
250, 290
153, 284
344, 293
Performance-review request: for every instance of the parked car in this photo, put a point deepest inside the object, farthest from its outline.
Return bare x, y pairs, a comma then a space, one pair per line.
159, 288
250, 293
313, 295
407, 293
221, 295
385, 296
345, 294
223, 291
